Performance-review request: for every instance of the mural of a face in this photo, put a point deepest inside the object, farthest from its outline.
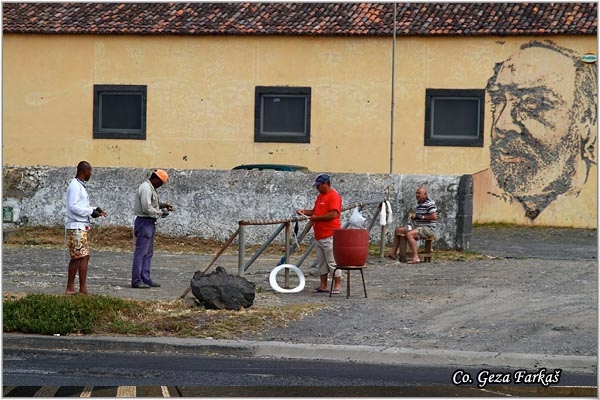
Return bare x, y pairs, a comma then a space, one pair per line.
543, 135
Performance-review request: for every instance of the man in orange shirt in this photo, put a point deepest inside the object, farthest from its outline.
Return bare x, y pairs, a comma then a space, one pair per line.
325, 217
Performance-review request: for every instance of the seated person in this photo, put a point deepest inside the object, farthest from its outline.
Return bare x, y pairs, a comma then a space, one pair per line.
424, 217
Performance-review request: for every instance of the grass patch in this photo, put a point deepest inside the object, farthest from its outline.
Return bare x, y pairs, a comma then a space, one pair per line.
455, 255
118, 238
48, 314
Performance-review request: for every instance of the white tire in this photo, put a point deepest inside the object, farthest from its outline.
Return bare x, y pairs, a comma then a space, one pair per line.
279, 289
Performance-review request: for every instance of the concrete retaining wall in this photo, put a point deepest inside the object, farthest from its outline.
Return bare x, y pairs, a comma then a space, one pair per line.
210, 203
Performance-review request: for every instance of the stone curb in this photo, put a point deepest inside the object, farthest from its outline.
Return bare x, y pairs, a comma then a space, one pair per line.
367, 354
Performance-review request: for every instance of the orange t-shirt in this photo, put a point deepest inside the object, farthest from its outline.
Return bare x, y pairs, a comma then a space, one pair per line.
323, 204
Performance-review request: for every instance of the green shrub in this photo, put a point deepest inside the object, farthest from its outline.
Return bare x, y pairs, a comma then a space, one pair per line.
50, 314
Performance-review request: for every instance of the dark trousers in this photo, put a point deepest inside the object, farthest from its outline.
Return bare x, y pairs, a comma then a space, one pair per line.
144, 230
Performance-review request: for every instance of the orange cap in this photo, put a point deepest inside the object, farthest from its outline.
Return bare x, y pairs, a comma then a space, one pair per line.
162, 174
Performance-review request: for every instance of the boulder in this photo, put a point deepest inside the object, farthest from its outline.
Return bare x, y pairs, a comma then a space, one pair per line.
220, 290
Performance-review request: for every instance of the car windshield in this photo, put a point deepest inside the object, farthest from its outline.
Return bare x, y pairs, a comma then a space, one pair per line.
276, 167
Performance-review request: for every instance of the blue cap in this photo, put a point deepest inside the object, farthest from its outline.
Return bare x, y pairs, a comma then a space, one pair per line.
322, 178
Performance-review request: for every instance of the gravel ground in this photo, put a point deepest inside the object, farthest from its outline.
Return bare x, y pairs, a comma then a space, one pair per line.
540, 296
519, 306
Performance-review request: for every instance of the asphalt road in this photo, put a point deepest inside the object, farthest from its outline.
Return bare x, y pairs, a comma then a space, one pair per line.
197, 376
293, 391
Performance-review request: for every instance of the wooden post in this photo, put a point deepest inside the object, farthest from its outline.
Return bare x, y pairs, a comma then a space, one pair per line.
287, 254
383, 229
242, 244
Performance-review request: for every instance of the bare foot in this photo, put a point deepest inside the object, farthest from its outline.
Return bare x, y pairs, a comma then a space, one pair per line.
83, 292
70, 292
391, 256
413, 261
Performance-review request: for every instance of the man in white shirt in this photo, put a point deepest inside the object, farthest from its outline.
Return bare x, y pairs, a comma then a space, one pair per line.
77, 224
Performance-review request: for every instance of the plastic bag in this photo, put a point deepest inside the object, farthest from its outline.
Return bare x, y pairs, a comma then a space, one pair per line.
390, 218
357, 220
385, 215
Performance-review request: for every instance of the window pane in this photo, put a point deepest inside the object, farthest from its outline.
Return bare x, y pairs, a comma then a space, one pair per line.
455, 117
121, 111
283, 114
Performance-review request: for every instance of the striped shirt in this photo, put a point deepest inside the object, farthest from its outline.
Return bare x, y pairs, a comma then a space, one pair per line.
426, 208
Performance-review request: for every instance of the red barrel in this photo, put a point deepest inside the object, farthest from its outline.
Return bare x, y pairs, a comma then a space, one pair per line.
350, 247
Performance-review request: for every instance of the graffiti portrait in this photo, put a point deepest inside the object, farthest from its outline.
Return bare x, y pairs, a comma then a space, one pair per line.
543, 134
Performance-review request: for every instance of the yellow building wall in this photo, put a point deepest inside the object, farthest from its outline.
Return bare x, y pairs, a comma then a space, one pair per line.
200, 111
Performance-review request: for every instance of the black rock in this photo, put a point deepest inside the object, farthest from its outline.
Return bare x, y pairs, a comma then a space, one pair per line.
220, 290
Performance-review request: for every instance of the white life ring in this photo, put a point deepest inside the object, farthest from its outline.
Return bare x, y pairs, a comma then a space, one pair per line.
279, 289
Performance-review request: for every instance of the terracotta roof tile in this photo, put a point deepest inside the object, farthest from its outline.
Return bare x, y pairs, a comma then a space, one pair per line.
326, 19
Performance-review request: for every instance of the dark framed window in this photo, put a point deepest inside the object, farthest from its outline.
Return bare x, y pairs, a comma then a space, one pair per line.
454, 117
120, 111
282, 114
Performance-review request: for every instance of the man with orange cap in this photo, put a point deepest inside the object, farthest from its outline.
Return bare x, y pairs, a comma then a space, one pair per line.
147, 211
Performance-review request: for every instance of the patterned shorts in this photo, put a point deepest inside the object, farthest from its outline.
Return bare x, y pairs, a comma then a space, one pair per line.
77, 243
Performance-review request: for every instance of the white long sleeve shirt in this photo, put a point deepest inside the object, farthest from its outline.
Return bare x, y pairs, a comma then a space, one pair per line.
78, 206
